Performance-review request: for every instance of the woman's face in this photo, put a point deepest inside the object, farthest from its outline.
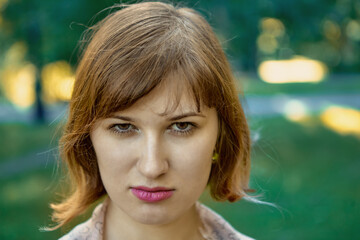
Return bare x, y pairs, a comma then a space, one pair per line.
154, 166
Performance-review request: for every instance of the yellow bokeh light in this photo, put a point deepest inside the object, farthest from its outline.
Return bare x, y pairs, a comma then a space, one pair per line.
342, 120
16, 54
353, 30
332, 30
57, 81
3, 3
267, 43
272, 26
19, 84
271, 30
65, 88
298, 69
295, 110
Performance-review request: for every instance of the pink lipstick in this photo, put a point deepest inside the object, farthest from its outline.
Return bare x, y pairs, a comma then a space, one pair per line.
152, 194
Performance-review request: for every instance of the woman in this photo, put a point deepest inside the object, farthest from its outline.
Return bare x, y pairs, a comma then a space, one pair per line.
154, 118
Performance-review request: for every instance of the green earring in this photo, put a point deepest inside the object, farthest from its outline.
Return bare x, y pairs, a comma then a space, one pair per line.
215, 157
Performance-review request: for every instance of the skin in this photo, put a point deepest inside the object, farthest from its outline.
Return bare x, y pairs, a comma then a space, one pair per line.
142, 146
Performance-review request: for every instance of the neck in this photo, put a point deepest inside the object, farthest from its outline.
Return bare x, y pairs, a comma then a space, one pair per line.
118, 225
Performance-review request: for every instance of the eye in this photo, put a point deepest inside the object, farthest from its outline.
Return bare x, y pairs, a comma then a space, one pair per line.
182, 127
125, 128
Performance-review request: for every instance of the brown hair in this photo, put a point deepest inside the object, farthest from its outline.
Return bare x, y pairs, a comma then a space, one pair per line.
131, 52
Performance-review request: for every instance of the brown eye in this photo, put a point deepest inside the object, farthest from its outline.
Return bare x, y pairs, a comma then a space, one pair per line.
182, 128
123, 127
182, 125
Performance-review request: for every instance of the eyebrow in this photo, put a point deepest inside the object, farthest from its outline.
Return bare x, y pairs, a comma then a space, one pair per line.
185, 115
174, 118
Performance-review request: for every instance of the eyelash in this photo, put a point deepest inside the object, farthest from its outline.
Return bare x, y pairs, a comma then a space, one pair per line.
115, 128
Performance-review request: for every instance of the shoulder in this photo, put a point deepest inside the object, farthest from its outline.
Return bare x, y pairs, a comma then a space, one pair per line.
80, 232
92, 229
216, 227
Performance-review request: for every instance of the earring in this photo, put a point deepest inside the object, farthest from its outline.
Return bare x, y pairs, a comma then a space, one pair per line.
215, 157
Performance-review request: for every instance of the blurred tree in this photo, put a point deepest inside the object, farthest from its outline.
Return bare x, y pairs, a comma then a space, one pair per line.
48, 29
326, 30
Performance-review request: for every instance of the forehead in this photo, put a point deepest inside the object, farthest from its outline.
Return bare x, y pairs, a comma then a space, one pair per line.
167, 98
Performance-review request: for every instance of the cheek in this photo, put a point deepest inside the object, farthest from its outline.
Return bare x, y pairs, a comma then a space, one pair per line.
194, 160
112, 157
193, 156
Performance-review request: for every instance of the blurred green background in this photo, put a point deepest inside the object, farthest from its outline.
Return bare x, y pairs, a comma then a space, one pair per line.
297, 62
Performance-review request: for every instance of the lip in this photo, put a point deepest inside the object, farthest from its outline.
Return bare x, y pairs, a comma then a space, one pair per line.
155, 194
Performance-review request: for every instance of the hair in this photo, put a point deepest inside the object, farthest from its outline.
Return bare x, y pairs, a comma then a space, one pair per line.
131, 52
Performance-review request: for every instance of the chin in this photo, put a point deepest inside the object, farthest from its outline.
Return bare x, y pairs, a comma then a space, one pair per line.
153, 214
153, 218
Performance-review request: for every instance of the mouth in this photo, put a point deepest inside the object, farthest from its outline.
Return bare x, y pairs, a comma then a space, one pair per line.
151, 195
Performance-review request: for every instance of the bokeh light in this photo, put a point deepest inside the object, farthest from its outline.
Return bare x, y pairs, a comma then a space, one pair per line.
295, 110
271, 30
342, 120
58, 80
353, 30
298, 69
3, 3
19, 84
332, 30
15, 55
18, 76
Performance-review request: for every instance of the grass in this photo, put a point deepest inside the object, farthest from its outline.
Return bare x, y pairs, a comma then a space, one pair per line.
20, 139
25, 196
24, 205
309, 171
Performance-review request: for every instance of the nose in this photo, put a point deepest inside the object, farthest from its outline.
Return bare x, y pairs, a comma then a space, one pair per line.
153, 161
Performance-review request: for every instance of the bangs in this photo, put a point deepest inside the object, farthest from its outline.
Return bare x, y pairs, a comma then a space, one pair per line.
129, 57
181, 71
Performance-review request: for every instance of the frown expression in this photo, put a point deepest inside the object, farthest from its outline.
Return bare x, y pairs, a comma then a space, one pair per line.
143, 147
